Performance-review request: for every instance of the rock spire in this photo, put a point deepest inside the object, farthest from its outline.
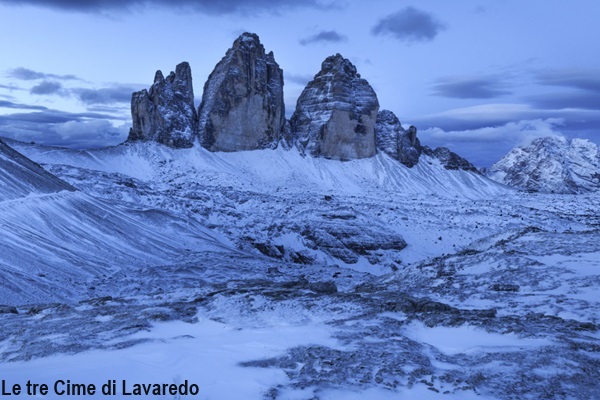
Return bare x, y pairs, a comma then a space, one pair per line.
335, 114
242, 105
166, 113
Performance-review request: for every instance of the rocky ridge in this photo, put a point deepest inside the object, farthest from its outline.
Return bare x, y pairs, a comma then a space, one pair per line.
449, 159
392, 139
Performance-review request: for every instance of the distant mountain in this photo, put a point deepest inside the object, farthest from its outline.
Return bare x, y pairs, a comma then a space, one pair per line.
552, 165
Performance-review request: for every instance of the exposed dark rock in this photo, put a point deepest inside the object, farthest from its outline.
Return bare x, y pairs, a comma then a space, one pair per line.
346, 237
335, 114
323, 287
504, 287
8, 310
242, 104
449, 159
166, 113
394, 140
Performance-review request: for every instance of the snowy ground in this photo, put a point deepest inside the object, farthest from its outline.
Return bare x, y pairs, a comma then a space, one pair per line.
316, 279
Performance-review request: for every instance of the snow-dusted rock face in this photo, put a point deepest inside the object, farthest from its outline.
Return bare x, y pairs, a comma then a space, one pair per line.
335, 114
20, 177
551, 164
242, 105
449, 159
166, 113
394, 140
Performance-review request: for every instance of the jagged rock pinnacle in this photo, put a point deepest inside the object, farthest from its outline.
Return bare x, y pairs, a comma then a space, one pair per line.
242, 105
166, 113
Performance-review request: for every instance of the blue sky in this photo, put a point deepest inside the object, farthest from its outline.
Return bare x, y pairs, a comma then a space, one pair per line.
476, 76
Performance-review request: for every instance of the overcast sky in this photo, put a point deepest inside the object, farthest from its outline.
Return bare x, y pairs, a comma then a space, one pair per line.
476, 76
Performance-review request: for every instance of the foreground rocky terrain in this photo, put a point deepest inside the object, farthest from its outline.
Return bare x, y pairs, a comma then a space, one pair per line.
314, 279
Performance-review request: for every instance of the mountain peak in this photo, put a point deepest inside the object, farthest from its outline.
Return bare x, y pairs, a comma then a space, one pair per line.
338, 64
247, 39
551, 164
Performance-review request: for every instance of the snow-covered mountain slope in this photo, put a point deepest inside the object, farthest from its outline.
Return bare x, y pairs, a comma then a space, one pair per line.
552, 165
56, 241
270, 170
277, 203
19, 176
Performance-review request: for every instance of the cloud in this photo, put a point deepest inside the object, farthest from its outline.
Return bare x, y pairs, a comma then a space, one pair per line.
92, 133
324, 37
111, 95
211, 7
58, 128
26, 74
47, 88
583, 89
409, 25
519, 132
10, 104
560, 101
571, 78
10, 87
497, 114
485, 87
484, 146
49, 116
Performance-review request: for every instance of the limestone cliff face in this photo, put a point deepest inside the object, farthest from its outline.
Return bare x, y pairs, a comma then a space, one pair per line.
335, 114
394, 140
242, 105
166, 113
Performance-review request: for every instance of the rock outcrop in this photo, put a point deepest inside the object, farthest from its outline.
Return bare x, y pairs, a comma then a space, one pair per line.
166, 113
392, 139
242, 105
449, 159
551, 164
335, 114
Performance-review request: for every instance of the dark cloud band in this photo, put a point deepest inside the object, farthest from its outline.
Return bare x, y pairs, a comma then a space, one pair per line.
112, 95
31, 75
202, 6
471, 88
